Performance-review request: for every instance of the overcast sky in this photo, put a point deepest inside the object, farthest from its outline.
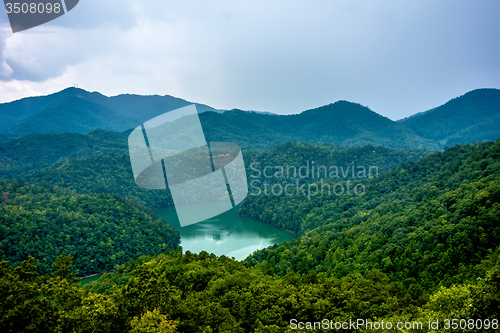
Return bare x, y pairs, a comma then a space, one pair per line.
396, 57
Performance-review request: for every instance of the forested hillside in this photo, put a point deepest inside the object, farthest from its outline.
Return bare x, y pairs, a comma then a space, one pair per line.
194, 293
342, 123
78, 111
100, 173
7, 137
474, 116
428, 222
75, 110
37, 151
309, 155
99, 231
420, 243
112, 173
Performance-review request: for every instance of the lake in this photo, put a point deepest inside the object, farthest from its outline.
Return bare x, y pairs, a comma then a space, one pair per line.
227, 234
90, 279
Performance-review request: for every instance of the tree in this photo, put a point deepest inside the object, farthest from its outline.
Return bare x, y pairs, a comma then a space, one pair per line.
153, 322
63, 265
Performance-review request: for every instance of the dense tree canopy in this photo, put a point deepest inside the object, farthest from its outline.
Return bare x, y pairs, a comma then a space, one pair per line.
37, 151
112, 173
175, 292
98, 231
428, 222
420, 244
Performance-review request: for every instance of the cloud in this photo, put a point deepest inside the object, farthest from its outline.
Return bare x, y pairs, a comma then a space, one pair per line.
398, 57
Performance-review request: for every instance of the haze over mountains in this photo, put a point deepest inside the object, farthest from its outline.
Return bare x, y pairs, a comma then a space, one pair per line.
79, 111
472, 117
342, 123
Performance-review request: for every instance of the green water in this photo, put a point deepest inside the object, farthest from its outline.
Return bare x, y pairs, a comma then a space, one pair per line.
226, 234
90, 279
229, 234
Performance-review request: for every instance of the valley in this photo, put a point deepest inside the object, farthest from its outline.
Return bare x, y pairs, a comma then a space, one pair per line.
420, 243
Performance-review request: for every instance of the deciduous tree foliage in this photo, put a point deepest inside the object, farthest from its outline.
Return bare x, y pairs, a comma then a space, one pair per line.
99, 231
175, 292
429, 222
420, 244
112, 173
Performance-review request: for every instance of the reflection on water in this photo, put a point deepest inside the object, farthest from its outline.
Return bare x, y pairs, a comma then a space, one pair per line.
226, 234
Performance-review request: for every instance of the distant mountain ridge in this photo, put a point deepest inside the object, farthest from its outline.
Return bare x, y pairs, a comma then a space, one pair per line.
78, 115
342, 123
79, 111
474, 116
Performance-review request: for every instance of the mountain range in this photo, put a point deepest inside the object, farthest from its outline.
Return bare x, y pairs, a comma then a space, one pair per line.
475, 116
420, 243
78, 111
342, 123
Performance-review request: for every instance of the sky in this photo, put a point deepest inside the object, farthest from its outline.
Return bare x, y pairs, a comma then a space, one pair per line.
284, 56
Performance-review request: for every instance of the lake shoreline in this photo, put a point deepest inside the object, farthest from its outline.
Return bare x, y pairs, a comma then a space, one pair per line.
230, 233
291, 231
173, 208
96, 274
253, 218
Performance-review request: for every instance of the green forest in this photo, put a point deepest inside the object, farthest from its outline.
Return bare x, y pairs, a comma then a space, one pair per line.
99, 231
475, 118
92, 174
175, 292
464, 119
430, 222
421, 244
38, 151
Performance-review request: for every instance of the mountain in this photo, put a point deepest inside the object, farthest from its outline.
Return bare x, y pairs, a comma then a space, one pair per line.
432, 221
342, 123
13, 112
78, 111
143, 108
352, 124
72, 115
474, 116
37, 151
328, 124
112, 173
419, 247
